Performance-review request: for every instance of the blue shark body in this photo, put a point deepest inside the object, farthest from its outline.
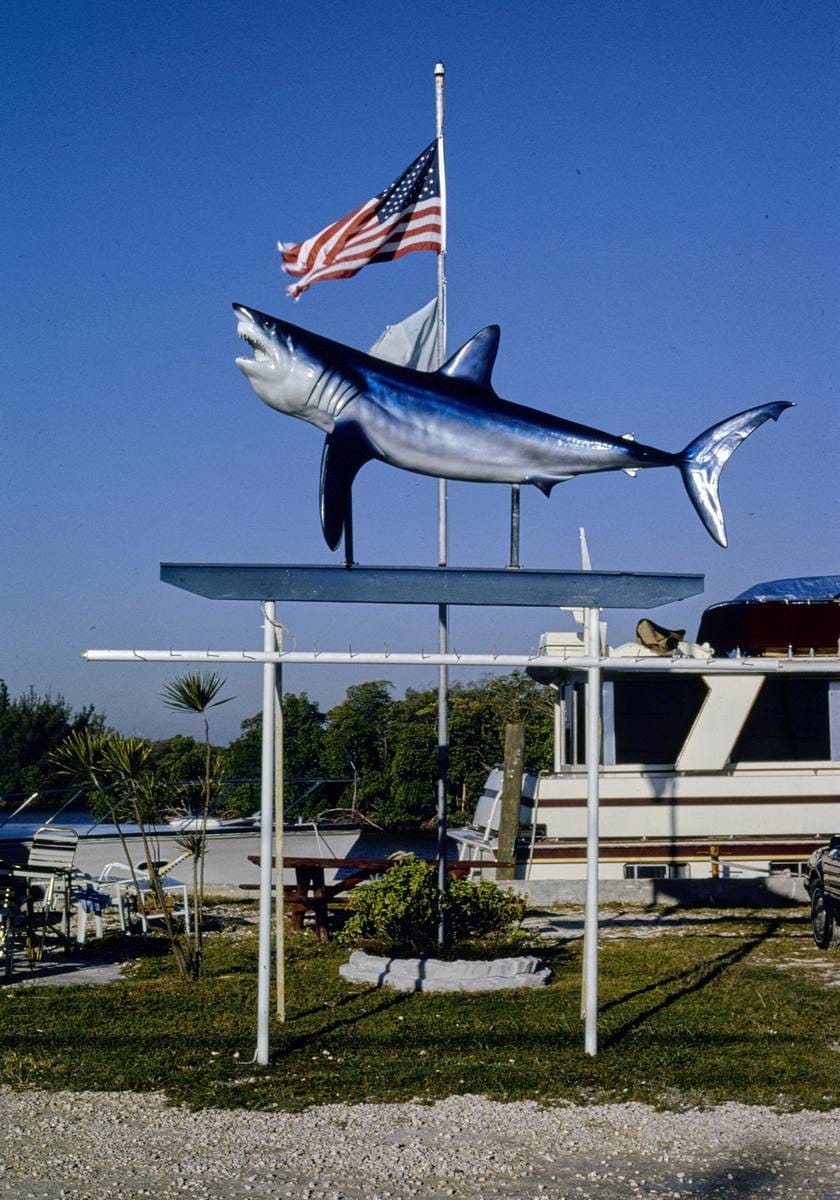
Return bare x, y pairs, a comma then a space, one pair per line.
451, 424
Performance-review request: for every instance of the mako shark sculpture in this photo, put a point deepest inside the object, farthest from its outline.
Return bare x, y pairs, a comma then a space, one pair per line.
451, 424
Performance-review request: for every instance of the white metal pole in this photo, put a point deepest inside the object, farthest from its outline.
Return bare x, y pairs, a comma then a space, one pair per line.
576, 662
266, 813
443, 614
593, 762
279, 813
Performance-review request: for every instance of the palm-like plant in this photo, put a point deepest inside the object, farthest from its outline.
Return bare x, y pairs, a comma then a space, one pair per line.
81, 759
126, 759
196, 693
117, 767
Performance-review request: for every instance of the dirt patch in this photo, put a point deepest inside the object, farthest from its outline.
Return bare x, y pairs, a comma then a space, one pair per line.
567, 924
825, 970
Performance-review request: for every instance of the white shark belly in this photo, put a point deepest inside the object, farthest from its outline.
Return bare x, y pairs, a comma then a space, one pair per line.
454, 446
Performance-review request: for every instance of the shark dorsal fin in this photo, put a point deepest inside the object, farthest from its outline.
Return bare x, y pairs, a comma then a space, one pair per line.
475, 359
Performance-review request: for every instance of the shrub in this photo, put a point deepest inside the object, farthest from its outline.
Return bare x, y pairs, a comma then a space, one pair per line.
400, 910
479, 909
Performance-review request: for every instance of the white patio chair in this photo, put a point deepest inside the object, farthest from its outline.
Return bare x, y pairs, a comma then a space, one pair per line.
90, 902
49, 871
116, 880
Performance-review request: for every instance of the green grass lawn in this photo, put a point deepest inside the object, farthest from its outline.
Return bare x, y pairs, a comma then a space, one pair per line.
737, 1011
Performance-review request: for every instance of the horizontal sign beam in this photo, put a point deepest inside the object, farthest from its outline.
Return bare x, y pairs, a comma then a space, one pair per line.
430, 585
545, 667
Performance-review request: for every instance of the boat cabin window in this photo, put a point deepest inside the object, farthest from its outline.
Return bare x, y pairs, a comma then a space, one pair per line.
656, 871
653, 717
790, 719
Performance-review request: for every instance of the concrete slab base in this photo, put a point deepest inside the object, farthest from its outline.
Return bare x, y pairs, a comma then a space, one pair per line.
434, 975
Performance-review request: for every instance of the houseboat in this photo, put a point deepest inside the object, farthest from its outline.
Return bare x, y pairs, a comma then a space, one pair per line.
718, 758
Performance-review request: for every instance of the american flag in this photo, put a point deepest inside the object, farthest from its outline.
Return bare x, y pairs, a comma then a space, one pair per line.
405, 217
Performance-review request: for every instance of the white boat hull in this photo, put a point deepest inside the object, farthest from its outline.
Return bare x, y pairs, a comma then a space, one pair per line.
227, 867
746, 821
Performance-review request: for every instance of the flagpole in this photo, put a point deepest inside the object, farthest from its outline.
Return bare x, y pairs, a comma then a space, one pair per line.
440, 72
443, 614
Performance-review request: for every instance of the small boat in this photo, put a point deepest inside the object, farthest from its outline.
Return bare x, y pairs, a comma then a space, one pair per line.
229, 843
194, 824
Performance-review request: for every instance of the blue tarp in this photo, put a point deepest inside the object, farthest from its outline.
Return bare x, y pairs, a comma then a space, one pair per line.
811, 587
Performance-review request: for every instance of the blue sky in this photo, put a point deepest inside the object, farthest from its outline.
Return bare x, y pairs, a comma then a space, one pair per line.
643, 196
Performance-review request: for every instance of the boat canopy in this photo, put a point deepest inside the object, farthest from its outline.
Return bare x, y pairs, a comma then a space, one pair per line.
785, 616
810, 587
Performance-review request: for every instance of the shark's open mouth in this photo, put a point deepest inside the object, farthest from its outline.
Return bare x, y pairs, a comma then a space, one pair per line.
260, 351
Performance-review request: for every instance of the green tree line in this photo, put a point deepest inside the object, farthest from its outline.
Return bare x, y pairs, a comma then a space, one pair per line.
373, 753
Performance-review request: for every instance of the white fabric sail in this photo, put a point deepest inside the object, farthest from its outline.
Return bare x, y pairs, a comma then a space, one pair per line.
412, 342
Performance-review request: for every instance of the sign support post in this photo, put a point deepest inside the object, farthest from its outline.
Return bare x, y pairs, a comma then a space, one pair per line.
593, 766
279, 812
266, 848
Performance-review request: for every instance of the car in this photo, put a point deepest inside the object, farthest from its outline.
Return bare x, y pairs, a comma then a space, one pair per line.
822, 882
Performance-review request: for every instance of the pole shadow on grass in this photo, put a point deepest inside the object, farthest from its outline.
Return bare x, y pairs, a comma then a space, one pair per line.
688, 973
702, 976
328, 1005
307, 1039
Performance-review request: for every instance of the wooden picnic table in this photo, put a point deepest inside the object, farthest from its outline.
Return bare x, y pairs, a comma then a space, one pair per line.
311, 893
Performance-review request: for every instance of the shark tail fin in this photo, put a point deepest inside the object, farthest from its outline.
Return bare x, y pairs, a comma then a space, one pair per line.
703, 460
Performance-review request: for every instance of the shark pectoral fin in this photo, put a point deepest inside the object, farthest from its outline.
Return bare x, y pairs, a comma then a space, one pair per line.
631, 471
474, 361
346, 451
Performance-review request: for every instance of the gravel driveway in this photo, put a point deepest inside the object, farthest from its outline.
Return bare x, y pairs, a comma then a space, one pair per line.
93, 1146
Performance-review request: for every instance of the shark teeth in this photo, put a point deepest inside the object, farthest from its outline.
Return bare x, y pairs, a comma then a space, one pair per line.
260, 352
